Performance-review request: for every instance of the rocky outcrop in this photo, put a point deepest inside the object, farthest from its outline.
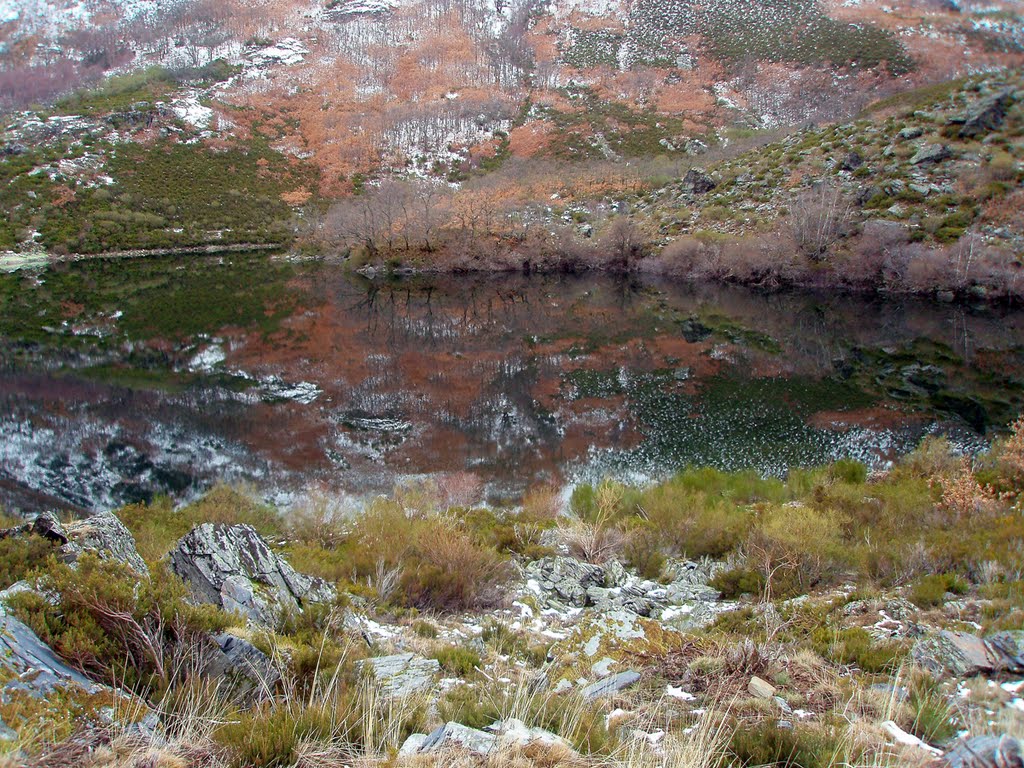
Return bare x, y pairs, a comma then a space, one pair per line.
402, 674
687, 600
986, 116
32, 666
103, 534
108, 537
234, 568
962, 655
610, 685
698, 182
930, 154
248, 672
502, 734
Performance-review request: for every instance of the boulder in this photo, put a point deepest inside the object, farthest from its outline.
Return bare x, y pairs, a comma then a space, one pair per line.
513, 732
852, 161
455, 735
985, 752
569, 579
234, 568
698, 182
931, 153
610, 685
985, 117
911, 132
108, 537
250, 674
403, 674
962, 655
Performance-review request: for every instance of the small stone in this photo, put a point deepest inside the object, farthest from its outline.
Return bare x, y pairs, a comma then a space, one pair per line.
762, 689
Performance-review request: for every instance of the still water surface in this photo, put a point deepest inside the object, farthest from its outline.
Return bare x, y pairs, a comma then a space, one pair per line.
351, 384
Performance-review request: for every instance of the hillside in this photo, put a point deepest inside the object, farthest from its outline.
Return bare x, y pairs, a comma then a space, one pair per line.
208, 124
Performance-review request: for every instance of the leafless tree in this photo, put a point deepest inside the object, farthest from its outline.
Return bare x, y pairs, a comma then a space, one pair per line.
819, 218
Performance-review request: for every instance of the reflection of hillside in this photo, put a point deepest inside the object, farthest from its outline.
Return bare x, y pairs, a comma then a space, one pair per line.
517, 378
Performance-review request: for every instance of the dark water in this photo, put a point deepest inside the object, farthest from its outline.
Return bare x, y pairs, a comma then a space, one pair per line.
161, 379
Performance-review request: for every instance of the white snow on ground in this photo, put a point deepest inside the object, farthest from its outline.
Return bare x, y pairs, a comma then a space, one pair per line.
189, 109
287, 52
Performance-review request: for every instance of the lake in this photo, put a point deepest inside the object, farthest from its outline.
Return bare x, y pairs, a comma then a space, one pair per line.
121, 379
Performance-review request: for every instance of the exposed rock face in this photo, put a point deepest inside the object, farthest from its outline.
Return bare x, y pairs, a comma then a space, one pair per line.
986, 117
986, 752
108, 537
46, 525
963, 655
234, 568
35, 668
102, 533
249, 672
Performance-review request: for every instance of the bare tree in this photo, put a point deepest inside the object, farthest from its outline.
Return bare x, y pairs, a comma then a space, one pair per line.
819, 218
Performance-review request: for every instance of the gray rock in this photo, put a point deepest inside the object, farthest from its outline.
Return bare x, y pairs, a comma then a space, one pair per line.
931, 153
911, 132
514, 732
249, 672
963, 655
7, 733
455, 735
610, 685
412, 745
986, 117
45, 525
234, 568
698, 182
852, 161
403, 674
986, 752
32, 665
568, 578
108, 537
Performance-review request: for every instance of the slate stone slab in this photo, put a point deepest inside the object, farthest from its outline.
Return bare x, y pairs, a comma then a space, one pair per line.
610, 685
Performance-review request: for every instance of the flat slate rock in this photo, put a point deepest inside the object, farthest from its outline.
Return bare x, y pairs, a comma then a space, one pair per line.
610, 685
963, 655
403, 674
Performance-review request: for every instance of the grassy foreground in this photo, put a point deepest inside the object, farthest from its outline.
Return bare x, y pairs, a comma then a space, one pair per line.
429, 563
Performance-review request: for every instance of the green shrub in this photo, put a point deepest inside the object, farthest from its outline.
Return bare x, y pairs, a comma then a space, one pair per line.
113, 624
22, 557
804, 746
457, 661
930, 590
736, 582
855, 647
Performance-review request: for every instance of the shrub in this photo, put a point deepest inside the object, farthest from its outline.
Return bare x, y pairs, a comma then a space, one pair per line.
457, 661
930, 590
22, 557
113, 624
799, 543
736, 582
450, 570
854, 646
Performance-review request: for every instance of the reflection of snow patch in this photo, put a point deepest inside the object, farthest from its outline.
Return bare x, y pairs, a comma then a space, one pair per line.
207, 360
